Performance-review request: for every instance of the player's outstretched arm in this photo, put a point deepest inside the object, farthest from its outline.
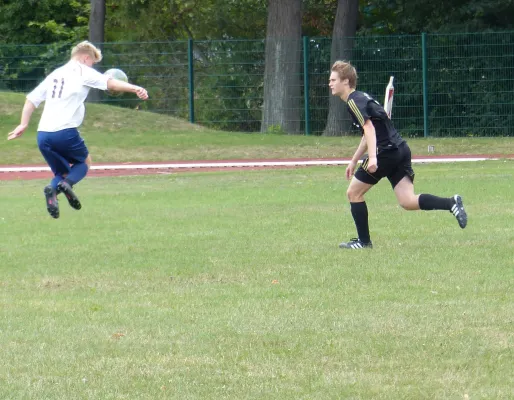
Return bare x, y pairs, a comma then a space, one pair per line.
26, 113
119, 86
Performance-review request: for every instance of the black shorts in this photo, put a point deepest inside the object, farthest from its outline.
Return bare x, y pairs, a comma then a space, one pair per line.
393, 164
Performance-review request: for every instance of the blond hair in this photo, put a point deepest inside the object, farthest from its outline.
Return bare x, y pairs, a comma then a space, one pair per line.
345, 70
88, 48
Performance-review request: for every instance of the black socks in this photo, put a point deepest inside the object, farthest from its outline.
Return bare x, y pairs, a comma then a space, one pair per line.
360, 216
430, 202
426, 202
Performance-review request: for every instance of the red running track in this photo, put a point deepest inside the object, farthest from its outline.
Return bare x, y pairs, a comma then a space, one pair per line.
40, 171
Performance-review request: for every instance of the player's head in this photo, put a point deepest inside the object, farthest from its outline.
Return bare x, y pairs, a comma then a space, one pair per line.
343, 79
87, 53
345, 70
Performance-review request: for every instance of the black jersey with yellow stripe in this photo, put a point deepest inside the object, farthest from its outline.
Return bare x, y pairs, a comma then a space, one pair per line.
363, 107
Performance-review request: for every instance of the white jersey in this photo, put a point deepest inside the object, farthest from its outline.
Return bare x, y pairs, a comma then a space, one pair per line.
65, 91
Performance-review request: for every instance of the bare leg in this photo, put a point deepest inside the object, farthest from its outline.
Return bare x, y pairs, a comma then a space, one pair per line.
404, 192
356, 190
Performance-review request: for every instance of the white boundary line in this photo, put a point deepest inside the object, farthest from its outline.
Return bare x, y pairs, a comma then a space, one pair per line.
237, 164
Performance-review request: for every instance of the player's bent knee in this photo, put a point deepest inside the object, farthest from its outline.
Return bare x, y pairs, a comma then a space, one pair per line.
410, 204
349, 194
354, 196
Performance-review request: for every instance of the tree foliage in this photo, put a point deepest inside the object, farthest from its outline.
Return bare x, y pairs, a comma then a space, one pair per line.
229, 83
149, 20
48, 21
416, 16
43, 21
57, 23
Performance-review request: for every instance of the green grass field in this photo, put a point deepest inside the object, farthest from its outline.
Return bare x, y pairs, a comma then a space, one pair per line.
230, 285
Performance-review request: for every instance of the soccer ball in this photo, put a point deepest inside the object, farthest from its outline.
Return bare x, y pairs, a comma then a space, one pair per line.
116, 74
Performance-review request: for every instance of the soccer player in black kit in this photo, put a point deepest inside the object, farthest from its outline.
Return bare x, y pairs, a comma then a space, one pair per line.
388, 157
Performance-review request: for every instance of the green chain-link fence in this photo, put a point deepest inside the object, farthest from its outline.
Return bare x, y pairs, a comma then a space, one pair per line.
445, 85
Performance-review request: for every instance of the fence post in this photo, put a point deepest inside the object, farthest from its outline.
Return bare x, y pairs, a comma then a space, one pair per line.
425, 83
306, 84
191, 81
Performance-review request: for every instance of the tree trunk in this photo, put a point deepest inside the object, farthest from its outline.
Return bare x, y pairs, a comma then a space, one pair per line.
282, 71
345, 27
96, 35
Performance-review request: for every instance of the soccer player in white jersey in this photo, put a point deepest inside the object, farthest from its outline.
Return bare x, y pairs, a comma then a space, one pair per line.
64, 92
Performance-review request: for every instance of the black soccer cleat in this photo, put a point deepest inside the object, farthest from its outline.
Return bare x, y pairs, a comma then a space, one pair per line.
355, 244
52, 205
65, 187
458, 211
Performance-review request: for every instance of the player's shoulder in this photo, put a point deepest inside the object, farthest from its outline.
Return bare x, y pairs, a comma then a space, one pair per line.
358, 99
359, 96
75, 68
361, 99
62, 71
91, 73
56, 71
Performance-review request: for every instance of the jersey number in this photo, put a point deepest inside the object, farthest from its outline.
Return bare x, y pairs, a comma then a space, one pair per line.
55, 88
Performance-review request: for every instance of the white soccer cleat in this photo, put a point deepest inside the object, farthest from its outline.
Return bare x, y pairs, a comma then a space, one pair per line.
458, 211
355, 244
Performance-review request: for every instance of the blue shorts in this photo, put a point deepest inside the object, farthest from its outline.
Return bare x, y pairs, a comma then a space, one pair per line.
62, 148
